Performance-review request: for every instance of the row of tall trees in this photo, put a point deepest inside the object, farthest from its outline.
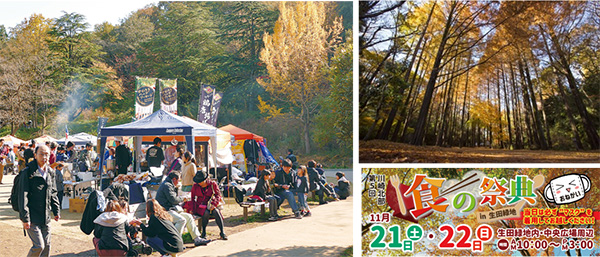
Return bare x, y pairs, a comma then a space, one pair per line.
65, 71
463, 73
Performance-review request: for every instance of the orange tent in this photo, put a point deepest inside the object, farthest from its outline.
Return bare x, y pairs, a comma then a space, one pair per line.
241, 134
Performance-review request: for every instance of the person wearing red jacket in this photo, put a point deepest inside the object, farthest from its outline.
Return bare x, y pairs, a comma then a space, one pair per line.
206, 199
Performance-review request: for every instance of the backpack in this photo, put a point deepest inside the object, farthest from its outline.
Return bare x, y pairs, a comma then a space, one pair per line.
82, 166
13, 200
239, 193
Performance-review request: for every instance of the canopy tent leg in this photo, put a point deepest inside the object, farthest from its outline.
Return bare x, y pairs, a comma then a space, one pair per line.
102, 146
138, 153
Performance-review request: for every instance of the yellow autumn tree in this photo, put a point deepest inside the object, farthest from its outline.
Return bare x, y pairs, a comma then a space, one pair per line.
296, 55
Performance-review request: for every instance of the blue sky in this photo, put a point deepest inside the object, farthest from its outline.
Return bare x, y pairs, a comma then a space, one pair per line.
96, 12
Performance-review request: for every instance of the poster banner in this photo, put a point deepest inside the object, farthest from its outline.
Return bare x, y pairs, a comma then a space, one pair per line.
214, 108
101, 124
168, 95
204, 105
144, 96
237, 149
487, 212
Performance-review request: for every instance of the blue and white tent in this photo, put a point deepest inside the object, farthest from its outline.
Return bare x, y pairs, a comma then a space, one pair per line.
162, 124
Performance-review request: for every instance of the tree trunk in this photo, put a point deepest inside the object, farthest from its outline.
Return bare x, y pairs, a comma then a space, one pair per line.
307, 132
392, 114
464, 107
507, 105
420, 128
569, 112
501, 131
377, 111
593, 138
517, 110
412, 102
561, 90
536, 112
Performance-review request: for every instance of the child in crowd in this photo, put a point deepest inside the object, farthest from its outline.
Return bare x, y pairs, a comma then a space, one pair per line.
60, 187
301, 190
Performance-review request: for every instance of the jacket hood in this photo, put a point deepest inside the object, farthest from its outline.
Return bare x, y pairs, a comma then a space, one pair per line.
343, 179
111, 219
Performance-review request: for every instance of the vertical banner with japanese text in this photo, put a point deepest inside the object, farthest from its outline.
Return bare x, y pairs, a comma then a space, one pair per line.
144, 96
491, 212
214, 108
204, 105
168, 95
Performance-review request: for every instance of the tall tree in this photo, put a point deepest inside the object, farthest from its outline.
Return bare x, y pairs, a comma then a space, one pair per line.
296, 55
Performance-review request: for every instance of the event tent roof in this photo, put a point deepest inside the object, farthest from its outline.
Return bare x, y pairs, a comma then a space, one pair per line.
79, 139
241, 134
11, 140
160, 123
43, 139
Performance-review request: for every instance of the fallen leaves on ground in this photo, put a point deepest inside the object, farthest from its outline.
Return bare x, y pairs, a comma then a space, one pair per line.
381, 151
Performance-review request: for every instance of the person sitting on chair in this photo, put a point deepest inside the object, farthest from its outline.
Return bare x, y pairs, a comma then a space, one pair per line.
206, 198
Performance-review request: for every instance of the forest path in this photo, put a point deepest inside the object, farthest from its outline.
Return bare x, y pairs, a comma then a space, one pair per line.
381, 151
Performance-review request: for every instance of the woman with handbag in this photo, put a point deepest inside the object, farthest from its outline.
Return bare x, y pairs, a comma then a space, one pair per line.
206, 201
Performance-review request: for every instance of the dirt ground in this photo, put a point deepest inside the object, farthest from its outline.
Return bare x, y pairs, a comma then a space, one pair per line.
68, 240
380, 151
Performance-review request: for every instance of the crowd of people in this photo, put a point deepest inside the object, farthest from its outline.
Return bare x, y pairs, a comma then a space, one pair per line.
168, 215
288, 184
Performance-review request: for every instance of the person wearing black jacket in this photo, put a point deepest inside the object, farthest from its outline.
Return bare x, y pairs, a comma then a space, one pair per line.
28, 153
301, 183
292, 158
37, 199
166, 195
155, 155
343, 187
284, 186
122, 156
91, 212
263, 190
161, 233
327, 188
110, 232
315, 181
